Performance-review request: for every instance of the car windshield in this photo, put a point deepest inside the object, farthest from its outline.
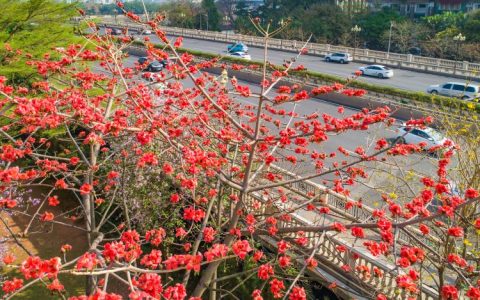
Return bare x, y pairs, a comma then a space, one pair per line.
434, 134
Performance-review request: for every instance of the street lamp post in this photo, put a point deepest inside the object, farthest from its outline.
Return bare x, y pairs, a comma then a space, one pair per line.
459, 38
390, 39
355, 29
182, 15
226, 19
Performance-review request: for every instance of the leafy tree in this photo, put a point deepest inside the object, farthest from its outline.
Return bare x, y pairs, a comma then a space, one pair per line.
326, 22
405, 34
374, 24
471, 28
241, 9
443, 21
212, 14
182, 13
35, 27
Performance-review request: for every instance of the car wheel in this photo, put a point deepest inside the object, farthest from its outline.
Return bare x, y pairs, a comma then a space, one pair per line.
465, 98
401, 140
434, 92
327, 59
380, 75
342, 61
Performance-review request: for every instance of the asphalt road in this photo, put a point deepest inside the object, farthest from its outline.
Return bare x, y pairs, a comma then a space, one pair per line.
403, 79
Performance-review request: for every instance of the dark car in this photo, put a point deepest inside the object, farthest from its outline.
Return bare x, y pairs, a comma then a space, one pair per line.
116, 31
415, 51
155, 66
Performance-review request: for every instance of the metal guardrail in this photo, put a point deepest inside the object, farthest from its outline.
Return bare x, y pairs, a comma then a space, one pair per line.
402, 61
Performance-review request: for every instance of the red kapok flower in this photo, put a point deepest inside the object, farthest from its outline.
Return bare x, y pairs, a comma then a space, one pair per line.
10, 286
241, 248
297, 293
358, 232
265, 271
8, 259
449, 292
455, 231
55, 285
85, 189
471, 193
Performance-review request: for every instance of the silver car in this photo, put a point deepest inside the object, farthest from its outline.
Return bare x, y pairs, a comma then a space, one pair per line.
429, 136
341, 57
455, 89
377, 71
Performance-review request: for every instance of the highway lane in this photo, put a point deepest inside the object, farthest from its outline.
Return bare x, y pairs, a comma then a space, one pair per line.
403, 79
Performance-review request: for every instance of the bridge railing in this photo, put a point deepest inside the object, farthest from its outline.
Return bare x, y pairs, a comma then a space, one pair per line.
407, 61
355, 213
329, 255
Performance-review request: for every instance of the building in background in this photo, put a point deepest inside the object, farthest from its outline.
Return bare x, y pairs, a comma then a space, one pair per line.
352, 6
422, 8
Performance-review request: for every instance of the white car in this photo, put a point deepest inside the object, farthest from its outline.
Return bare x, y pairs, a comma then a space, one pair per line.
455, 89
430, 136
241, 55
341, 57
377, 71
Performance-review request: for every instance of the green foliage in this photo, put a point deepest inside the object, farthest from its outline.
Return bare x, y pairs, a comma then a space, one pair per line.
241, 9
321, 18
471, 28
441, 22
374, 24
213, 16
327, 23
405, 34
34, 27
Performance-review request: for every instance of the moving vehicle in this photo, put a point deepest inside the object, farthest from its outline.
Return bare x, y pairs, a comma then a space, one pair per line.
154, 66
341, 57
237, 47
430, 136
455, 89
116, 31
241, 55
377, 71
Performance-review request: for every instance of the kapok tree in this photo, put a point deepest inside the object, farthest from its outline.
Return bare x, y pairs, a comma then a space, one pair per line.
224, 155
